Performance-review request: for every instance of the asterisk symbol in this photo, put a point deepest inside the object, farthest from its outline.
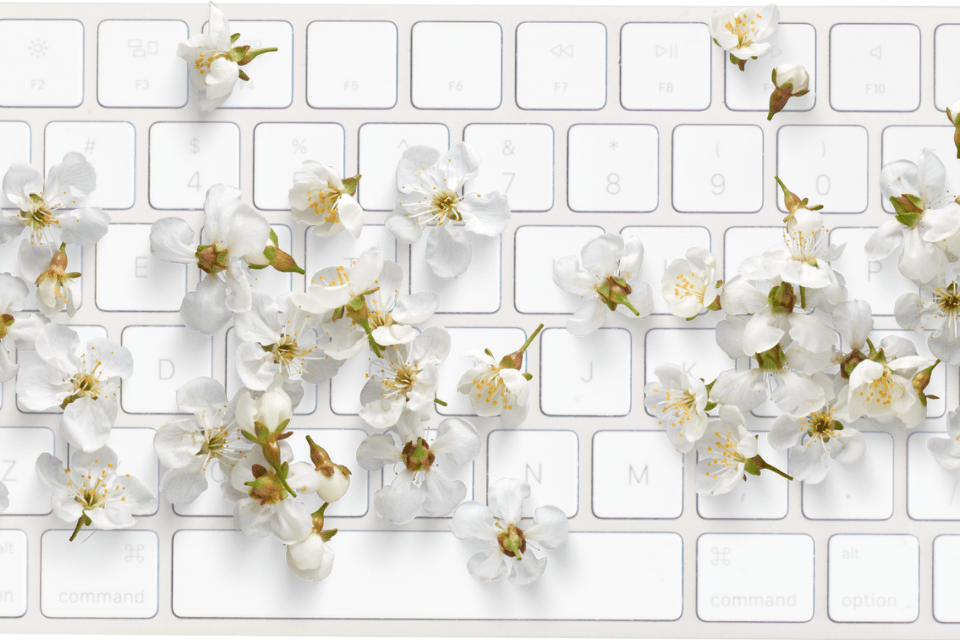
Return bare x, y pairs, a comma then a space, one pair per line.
613, 144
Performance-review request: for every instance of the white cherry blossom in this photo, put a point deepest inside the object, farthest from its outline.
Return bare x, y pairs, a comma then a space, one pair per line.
678, 401
231, 230
724, 452
311, 558
789, 81
17, 327
813, 441
512, 547
91, 493
743, 31
420, 485
323, 201
82, 380
429, 188
329, 480
608, 280
946, 451
690, 285
405, 378
937, 309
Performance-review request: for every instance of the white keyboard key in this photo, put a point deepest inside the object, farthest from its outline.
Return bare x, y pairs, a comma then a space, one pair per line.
129, 278
109, 146
476, 291
368, 82
661, 246
875, 67
19, 449
576, 381
333, 251
116, 576
500, 340
827, 164
14, 147
718, 168
636, 474
456, 65
271, 74
134, 449
517, 162
755, 577
137, 63
345, 388
933, 493
29, 359
946, 580
43, 63
694, 350
167, 358
906, 143
938, 381
464, 473
549, 461
764, 497
859, 491
233, 382
613, 167
561, 65
270, 280
946, 48
750, 89
13, 573
873, 578
187, 158
665, 65
878, 282
741, 242
381, 147
578, 590
535, 249
279, 150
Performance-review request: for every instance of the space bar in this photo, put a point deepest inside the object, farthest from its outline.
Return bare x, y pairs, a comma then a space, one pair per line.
596, 576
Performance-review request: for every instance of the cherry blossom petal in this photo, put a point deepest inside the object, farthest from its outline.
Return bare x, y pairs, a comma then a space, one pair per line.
457, 440
506, 496
400, 501
487, 566
550, 527
526, 570
172, 240
448, 252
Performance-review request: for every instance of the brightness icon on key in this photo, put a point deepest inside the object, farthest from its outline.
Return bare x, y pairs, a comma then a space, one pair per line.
37, 48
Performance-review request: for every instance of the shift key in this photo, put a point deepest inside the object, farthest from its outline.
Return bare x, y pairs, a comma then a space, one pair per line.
13, 573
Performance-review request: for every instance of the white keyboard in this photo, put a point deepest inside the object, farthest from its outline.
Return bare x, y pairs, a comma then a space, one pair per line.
612, 119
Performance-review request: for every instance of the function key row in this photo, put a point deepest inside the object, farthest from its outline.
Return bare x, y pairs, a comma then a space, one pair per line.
459, 65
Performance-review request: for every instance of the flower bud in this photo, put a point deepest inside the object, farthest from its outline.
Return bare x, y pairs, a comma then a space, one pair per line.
789, 81
273, 256
953, 115
782, 298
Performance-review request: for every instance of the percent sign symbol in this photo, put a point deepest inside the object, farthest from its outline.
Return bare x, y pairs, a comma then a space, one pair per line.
299, 146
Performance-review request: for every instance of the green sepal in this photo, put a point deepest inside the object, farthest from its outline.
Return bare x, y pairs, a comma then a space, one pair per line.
234, 37
243, 75
527, 376
350, 184
356, 303
270, 252
751, 467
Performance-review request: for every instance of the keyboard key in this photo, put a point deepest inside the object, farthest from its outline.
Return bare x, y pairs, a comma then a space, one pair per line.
946, 48
859, 491
116, 576
546, 460
109, 146
827, 164
332, 251
233, 382
694, 350
665, 65
873, 578
613, 167
500, 340
134, 448
187, 158
906, 143
750, 89
271, 74
575, 590
718, 168
368, 82
381, 147
875, 67
742, 242
167, 358
755, 577
31, 359
456, 65
345, 388
270, 280
933, 493
759, 498
137, 63
19, 449
279, 150
636, 474
476, 291
43, 63
13, 573
517, 162
464, 473
561, 65
576, 381
14, 146
879, 281
129, 278
946, 580
661, 246
535, 249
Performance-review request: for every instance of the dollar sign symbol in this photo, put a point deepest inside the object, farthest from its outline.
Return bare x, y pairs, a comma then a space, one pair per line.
194, 145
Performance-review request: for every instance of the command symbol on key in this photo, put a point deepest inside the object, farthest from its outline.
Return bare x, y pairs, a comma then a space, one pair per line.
134, 553
720, 557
